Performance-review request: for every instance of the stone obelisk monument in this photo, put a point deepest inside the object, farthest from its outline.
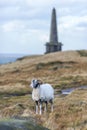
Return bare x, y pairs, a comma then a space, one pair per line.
53, 45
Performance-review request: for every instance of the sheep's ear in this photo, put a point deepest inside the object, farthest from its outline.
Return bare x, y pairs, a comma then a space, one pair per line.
39, 81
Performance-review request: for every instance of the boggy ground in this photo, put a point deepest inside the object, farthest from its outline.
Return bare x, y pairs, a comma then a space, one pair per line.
62, 70
16, 124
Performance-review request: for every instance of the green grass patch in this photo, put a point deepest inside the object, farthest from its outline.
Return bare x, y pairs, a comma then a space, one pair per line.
55, 65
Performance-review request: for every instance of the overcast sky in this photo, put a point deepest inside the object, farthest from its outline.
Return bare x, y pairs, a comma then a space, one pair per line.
25, 25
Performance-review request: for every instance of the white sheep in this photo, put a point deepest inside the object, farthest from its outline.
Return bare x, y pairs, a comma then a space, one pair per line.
42, 93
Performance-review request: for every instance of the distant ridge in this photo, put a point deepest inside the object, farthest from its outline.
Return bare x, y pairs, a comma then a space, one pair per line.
11, 55
8, 58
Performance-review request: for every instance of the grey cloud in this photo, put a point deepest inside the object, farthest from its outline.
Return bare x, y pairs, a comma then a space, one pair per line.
19, 10
82, 25
37, 15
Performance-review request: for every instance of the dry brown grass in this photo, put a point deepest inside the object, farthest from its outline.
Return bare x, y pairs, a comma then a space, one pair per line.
70, 112
63, 70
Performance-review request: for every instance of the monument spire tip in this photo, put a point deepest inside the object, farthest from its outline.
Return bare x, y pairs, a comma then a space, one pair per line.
54, 8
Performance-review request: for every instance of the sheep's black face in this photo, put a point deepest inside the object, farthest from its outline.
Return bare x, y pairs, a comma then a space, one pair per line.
34, 83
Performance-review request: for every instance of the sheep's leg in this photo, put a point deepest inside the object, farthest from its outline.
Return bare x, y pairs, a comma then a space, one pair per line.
45, 109
51, 101
36, 107
40, 108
